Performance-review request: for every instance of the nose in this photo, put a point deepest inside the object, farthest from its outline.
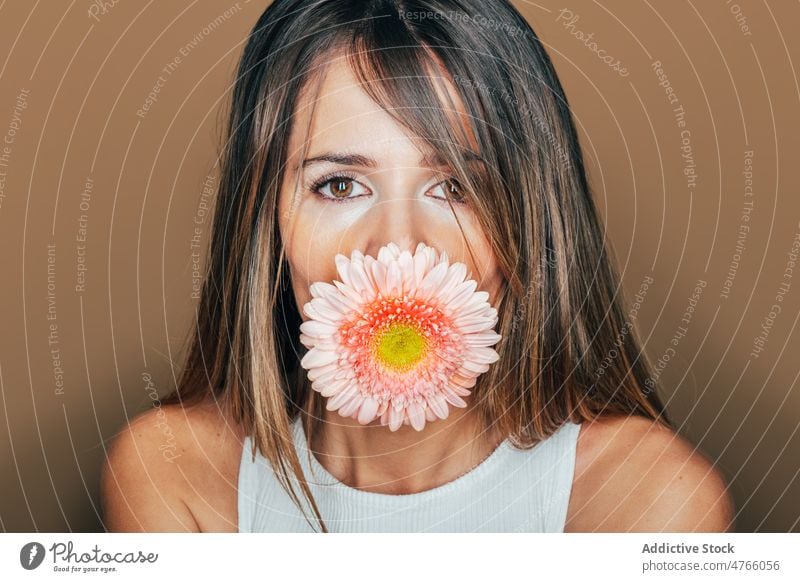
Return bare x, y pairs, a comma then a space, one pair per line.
405, 217
399, 219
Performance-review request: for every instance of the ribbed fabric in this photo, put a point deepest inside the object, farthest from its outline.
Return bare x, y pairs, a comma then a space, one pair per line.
511, 490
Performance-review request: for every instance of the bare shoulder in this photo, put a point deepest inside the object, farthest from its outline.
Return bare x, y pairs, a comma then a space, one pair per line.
634, 474
173, 468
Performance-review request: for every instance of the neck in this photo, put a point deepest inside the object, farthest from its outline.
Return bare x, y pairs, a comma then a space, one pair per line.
373, 458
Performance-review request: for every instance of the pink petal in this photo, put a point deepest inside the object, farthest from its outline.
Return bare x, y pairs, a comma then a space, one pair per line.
461, 294
321, 309
331, 388
438, 405
318, 289
482, 339
430, 252
455, 276
430, 258
350, 407
317, 329
339, 302
459, 380
342, 398
406, 264
361, 282
394, 283
343, 268
317, 357
455, 399
322, 376
474, 367
475, 306
315, 373
420, 267
475, 325
379, 272
385, 255
483, 355
368, 261
368, 411
459, 390
432, 281
382, 408
395, 418
416, 415
353, 298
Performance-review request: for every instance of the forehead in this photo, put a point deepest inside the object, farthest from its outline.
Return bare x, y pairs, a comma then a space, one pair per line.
343, 116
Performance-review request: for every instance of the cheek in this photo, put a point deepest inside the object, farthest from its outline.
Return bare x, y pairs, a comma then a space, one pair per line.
494, 286
484, 267
487, 273
311, 239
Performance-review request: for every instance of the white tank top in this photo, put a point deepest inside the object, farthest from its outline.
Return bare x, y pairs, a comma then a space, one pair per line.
511, 490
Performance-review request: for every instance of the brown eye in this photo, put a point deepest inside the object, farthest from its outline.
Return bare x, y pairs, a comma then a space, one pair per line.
338, 187
449, 188
454, 190
341, 187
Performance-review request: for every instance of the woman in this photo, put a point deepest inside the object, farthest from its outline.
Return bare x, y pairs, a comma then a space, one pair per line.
357, 124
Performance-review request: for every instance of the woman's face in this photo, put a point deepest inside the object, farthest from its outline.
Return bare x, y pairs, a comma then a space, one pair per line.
364, 183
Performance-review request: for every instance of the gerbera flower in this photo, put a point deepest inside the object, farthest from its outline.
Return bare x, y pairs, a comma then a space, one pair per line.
400, 338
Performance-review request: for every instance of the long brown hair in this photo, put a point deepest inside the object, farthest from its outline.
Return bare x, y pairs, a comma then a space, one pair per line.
568, 350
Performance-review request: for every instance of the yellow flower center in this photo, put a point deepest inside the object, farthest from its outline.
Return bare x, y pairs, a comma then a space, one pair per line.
400, 346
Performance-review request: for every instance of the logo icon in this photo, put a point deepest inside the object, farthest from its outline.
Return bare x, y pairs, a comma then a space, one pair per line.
31, 555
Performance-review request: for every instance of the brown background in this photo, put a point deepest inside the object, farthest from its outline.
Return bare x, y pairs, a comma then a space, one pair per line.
88, 77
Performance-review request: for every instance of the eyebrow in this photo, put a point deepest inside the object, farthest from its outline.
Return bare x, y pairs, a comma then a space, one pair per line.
432, 160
